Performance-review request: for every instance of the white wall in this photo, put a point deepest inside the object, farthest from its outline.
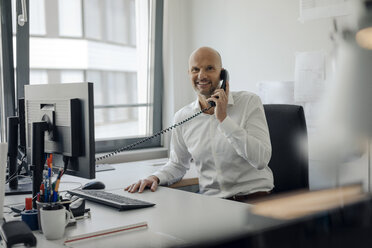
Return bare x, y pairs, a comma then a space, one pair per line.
258, 40
176, 49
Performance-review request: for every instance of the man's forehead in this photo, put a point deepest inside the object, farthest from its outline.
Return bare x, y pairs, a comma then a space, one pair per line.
203, 57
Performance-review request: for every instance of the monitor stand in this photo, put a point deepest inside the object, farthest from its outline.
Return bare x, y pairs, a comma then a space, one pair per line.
16, 185
24, 187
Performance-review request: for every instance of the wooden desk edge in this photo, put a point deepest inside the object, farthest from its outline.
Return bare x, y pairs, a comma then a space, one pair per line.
185, 182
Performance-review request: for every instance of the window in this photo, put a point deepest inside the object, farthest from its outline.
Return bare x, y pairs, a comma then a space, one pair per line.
112, 44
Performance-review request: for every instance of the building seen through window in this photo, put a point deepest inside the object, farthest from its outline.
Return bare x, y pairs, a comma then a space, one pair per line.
101, 41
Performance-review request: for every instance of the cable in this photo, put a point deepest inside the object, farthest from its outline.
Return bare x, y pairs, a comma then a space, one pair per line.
15, 175
65, 163
129, 147
22, 176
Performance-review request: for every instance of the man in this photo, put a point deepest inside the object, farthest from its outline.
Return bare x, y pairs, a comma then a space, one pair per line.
229, 143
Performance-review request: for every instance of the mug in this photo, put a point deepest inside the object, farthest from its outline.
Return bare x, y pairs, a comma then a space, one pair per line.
39, 206
54, 219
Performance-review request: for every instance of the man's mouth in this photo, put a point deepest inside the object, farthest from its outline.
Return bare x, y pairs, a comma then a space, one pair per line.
203, 83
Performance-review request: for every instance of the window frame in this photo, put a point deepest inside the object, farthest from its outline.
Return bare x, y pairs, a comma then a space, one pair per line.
23, 72
7, 96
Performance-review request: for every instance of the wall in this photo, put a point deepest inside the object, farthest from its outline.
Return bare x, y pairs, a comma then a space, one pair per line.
176, 49
258, 40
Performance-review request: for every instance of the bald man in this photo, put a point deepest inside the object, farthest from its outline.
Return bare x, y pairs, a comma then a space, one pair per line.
229, 143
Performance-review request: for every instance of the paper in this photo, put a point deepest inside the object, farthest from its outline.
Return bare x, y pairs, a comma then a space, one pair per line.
276, 92
312, 110
3, 159
309, 76
317, 9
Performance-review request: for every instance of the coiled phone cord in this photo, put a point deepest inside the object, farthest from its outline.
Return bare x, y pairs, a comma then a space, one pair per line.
129, 147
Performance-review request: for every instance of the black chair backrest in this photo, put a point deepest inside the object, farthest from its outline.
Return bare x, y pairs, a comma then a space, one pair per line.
289, 159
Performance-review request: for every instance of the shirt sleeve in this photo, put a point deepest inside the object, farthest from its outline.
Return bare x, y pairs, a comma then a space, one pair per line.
251, 140
179, 160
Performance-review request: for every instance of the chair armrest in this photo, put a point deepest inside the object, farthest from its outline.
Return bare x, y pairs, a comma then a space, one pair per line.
185, 182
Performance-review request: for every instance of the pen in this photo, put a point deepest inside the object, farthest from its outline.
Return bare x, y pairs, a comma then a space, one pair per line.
58, 180
55, 196
41, 196
50, 190
57, 185
46, 191
51, 161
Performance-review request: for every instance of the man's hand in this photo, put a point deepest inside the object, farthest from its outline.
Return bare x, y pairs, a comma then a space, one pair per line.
221, 98
150, 182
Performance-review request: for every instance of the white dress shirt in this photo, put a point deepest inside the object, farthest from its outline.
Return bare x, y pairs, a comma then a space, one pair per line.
231, 157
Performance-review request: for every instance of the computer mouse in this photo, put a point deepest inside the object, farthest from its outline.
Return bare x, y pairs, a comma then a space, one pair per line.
94, 185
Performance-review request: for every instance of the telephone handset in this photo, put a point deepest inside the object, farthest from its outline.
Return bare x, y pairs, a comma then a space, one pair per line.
224, 76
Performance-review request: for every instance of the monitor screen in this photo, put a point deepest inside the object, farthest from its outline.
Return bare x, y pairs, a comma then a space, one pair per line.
68, 111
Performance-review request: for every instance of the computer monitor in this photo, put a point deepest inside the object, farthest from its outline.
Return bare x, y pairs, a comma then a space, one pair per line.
59, 120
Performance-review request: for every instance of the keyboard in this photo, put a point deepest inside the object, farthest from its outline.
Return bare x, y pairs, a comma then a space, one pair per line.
114, 200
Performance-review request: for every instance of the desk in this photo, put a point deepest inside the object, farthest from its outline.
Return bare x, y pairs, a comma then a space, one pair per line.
178, 217
184, 218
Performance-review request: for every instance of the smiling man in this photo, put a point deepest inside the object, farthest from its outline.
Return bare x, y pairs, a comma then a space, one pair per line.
229, 143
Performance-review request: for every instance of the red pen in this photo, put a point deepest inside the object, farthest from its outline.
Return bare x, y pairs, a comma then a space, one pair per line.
42, 187
48, 161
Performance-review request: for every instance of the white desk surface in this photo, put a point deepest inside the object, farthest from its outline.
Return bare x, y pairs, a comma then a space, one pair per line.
178, 217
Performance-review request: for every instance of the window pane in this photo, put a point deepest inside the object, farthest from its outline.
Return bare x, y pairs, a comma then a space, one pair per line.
70, 22
72, 76
104, 51
96, 78
117, 28
132, 23
115, 98
38, 77
93, 19
37, 17
129, 123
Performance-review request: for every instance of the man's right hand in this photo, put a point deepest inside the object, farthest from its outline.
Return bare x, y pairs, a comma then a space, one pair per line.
150, 182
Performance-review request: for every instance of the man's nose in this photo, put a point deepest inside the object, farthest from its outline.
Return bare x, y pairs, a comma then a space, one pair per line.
202, 75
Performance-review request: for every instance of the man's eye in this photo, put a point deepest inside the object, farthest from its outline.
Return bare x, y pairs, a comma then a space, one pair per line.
209, 68
194, 69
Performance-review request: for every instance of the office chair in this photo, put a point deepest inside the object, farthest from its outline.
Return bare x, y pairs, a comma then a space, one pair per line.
289, 159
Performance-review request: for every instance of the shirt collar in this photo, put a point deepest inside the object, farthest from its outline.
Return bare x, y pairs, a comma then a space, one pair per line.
196, 105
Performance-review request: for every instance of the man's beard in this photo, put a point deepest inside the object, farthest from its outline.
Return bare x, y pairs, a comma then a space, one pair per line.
209, 93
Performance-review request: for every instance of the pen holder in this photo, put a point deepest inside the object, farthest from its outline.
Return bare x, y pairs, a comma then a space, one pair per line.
54, 219
41, 205
31, 217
